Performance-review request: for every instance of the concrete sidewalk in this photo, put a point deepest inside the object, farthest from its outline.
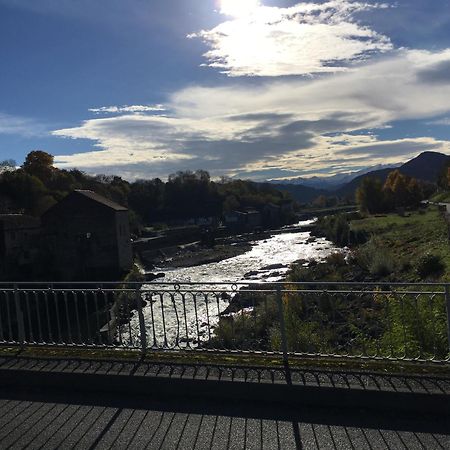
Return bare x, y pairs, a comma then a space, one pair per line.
317, 387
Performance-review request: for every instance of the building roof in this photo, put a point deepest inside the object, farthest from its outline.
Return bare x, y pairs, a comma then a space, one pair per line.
89, 195
251, 211
100, 199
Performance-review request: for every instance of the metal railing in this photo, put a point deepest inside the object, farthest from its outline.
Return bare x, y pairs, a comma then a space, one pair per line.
396, 321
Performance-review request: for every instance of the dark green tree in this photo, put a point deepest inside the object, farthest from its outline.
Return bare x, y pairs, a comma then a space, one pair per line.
370, 196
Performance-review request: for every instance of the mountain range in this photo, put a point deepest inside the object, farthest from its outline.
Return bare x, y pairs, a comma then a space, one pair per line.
331, 182
426, 167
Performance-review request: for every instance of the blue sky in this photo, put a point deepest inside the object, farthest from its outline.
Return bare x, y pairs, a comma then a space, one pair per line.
256, 89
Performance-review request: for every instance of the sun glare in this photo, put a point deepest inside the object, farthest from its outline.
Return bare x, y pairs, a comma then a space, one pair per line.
239, 8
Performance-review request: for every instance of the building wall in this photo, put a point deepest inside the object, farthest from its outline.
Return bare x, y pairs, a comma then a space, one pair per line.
125, 252
272, 215
19, 235
253, 220
87, 240
15, 232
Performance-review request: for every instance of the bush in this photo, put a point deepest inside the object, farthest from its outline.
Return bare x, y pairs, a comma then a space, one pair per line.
336, 259
247, 329
430, 265
334, 228
382, 264
375, 258
414, 326
358, 237
341, 230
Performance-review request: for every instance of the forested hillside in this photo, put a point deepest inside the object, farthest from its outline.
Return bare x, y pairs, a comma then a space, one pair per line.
37, 185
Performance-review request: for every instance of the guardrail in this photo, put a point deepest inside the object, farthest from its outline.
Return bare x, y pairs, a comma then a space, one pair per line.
396, 321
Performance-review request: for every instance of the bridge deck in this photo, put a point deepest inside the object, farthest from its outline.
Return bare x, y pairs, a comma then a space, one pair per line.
68, 403
345, 379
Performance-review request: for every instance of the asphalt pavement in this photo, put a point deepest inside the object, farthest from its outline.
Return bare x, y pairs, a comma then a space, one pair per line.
65, 419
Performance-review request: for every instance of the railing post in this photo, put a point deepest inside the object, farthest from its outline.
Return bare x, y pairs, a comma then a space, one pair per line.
447, 304
19, 317
284, 346
142, 329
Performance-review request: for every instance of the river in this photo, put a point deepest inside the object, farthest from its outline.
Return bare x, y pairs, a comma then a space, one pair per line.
191, 318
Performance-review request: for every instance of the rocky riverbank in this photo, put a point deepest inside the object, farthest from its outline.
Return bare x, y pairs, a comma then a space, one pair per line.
196, 254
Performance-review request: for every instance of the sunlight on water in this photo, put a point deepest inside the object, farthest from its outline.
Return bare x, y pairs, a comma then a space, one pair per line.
279, 251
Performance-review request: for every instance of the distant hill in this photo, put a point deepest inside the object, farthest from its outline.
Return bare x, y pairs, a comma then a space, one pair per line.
330, 183
303, 194
425, 167
349, 189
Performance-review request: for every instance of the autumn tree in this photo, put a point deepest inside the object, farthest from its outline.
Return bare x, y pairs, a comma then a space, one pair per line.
443, 179
320, 201
398, 191
415, 191
395, 190
401, 191
39, 164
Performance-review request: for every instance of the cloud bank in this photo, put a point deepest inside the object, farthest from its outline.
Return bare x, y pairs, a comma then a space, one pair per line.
299, 125
127, 109
303, 39
22, 126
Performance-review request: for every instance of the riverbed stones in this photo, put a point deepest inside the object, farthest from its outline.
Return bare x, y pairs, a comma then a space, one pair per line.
274, 267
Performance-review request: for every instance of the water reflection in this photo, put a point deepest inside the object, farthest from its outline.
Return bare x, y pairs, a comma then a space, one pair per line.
169, 316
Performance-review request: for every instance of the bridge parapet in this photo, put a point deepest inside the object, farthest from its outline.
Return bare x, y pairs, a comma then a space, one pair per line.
363, 321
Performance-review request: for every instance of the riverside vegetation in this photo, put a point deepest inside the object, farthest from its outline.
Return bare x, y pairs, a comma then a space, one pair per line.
403, 246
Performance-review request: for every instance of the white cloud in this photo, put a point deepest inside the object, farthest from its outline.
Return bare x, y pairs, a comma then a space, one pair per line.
22, 126
305, 125
374, 94
122, 140
303, 39
444, 122
127, 109
343, 153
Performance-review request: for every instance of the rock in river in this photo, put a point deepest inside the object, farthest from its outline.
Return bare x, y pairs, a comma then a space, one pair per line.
273, 267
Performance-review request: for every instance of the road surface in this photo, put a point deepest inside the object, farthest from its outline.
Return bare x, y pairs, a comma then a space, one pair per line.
63, 420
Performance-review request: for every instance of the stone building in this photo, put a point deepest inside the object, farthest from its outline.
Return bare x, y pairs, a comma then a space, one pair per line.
253, 219
248, 220
19, 235
87, 237
271, 215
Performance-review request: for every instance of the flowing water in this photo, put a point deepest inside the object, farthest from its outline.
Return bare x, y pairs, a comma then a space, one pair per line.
177, 319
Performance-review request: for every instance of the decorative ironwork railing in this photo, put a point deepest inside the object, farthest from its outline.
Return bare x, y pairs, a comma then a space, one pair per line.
396, 321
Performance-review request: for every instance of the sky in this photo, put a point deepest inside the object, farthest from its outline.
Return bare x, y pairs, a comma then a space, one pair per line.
256, 89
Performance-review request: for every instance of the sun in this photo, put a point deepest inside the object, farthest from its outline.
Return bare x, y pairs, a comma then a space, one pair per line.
239, 8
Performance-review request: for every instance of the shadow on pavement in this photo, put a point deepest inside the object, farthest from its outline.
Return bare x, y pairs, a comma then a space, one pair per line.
56, 419
235, 408
295, 376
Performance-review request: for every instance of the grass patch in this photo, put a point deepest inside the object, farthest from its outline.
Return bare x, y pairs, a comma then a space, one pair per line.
409, 238
441, 197
234, 360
